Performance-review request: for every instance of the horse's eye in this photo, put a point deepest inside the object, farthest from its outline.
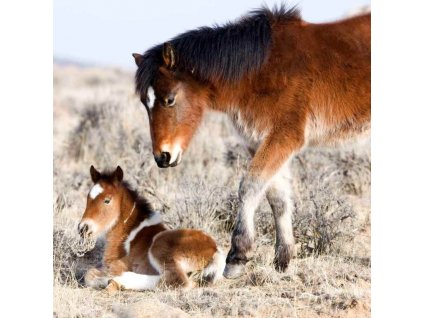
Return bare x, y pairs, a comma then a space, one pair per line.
170, 100
107, 201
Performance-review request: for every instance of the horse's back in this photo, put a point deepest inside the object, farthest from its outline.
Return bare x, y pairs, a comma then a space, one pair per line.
329, 66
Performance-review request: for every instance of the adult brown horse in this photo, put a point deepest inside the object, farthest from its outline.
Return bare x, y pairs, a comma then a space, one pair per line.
285, 83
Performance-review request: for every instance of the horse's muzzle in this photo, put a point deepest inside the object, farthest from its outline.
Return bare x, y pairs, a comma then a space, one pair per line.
163, 160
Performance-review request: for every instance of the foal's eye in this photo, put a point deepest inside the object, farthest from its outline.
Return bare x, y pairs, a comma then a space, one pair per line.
107, 201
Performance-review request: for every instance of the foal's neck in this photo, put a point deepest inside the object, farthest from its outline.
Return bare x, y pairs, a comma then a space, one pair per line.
131, 215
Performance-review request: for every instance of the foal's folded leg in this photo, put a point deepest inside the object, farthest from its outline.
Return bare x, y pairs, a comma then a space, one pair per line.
96, 278
134, 281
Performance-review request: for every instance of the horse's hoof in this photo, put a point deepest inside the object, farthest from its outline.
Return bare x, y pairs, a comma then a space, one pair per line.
233, 271
280, 266
283, 255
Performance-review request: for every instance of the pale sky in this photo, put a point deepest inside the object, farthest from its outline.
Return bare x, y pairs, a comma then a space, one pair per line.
106, 32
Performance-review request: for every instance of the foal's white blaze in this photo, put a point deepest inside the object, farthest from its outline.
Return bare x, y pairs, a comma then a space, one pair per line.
131, 280
152, 220
95, 191
151, 97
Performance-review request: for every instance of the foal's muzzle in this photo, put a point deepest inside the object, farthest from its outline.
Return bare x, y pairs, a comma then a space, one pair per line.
84, 230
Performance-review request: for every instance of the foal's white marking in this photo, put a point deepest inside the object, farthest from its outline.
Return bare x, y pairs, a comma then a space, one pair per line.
131, 280
151, 97
153, 261
152, 220
185, 264
216, 266
95, 191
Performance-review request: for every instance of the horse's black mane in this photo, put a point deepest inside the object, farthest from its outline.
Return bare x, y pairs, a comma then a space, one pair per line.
223, 53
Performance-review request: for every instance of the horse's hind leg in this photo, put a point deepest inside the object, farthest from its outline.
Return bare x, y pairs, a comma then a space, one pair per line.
173, 272
175, 276
279, 197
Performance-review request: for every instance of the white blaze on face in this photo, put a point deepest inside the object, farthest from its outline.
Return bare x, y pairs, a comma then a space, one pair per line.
151, 97
95, 191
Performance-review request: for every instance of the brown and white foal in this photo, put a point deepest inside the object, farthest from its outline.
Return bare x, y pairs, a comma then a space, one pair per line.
140, 249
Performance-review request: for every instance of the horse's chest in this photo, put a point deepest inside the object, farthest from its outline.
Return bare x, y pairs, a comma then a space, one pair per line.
248, 129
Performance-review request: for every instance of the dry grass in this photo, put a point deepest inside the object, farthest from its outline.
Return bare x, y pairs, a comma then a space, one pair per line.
98, 120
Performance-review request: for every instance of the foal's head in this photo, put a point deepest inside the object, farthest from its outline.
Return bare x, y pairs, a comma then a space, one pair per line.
103, 203
175, 104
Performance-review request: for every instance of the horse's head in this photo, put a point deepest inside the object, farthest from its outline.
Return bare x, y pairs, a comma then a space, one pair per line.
175, 103
103, 204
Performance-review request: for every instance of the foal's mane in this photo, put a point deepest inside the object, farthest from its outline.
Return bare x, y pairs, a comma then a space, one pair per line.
220, 53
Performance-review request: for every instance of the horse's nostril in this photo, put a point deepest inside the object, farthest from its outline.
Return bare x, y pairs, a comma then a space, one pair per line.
165, 157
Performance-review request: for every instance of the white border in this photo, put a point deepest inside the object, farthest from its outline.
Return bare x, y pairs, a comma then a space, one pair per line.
397, 161
26, 158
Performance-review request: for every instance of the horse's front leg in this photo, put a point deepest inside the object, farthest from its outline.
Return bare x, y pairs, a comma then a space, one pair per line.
271, 157
279, 197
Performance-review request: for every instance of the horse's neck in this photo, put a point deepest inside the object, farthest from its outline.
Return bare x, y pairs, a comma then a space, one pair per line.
227, 99
130, 218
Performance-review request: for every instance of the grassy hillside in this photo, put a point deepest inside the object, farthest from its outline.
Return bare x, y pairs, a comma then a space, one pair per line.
98, 120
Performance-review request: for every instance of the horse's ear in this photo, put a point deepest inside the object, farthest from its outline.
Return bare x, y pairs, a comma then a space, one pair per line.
138, 58
95, 175
118, 174
169, 56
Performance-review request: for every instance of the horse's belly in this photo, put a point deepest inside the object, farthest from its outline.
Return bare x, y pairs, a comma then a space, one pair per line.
319, 134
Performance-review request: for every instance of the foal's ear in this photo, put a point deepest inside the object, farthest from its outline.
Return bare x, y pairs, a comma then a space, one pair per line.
95, 175
118, 175
169, 55
138, 58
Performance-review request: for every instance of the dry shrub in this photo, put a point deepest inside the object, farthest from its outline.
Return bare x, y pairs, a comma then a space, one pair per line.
325, 217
